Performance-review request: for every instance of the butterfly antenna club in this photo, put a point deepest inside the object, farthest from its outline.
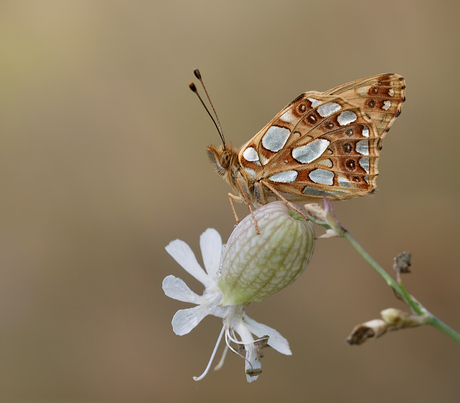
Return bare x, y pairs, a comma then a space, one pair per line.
216, 121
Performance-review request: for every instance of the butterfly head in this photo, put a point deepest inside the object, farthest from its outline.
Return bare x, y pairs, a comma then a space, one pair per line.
222, 157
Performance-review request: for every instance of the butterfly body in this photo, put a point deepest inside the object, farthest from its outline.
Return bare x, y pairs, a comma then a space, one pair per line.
321, 144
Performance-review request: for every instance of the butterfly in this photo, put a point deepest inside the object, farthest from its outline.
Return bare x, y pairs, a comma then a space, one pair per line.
321, 144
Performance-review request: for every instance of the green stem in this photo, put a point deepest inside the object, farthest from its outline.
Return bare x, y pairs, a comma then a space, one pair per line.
401, 290
392, 283
440, 325
416, 306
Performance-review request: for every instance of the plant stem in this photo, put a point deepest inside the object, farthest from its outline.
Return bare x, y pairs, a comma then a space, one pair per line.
401, 290
440, 325
416, 306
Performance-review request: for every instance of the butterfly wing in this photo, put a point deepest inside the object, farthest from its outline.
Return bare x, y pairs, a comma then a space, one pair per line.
321, 145
380, 96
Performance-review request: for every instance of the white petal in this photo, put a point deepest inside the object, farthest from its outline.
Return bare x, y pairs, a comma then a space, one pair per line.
330, 233
187, 319
219, 311
175, 288
252, 362
183, 255
211, 249
275, 340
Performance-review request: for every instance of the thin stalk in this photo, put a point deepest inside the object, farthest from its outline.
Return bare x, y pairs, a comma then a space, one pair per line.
392, 283
416, 306
440, 325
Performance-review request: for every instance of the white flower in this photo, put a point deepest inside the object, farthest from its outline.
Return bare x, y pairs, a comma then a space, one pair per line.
283, 257
235, 319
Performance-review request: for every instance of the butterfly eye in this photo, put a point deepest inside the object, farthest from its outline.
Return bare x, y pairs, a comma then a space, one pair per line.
225, 159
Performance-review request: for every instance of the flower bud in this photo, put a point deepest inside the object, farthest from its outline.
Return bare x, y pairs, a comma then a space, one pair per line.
256, 266
367, 331
393, 316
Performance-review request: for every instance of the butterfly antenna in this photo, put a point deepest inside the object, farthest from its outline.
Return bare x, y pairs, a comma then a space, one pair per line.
216, 121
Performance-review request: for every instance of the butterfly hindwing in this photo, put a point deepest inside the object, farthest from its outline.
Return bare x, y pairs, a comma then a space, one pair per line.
381, 97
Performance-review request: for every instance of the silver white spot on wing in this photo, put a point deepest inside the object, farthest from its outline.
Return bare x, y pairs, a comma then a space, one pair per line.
250, 154
290, 196
391, 92
364, 162
346, 117
344, 182
309, 191
322, 176
314, 102
386, 105
251, 173
284, 177
310, 152
362, 147
275, 138
365, 131
328, 109
289, 117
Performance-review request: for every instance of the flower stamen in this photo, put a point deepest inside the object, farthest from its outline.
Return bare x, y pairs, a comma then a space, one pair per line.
199, 378
237, 352
222, 359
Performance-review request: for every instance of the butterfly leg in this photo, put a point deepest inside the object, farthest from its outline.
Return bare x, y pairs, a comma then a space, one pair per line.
232, 197
286, 202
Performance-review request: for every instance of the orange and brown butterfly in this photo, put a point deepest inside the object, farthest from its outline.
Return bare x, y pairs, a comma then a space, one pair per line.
321, 144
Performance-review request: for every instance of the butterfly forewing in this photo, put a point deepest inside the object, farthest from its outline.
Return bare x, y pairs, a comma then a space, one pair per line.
326, 144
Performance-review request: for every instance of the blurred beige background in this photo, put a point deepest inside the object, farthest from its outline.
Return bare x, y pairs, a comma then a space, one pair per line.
102, 164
